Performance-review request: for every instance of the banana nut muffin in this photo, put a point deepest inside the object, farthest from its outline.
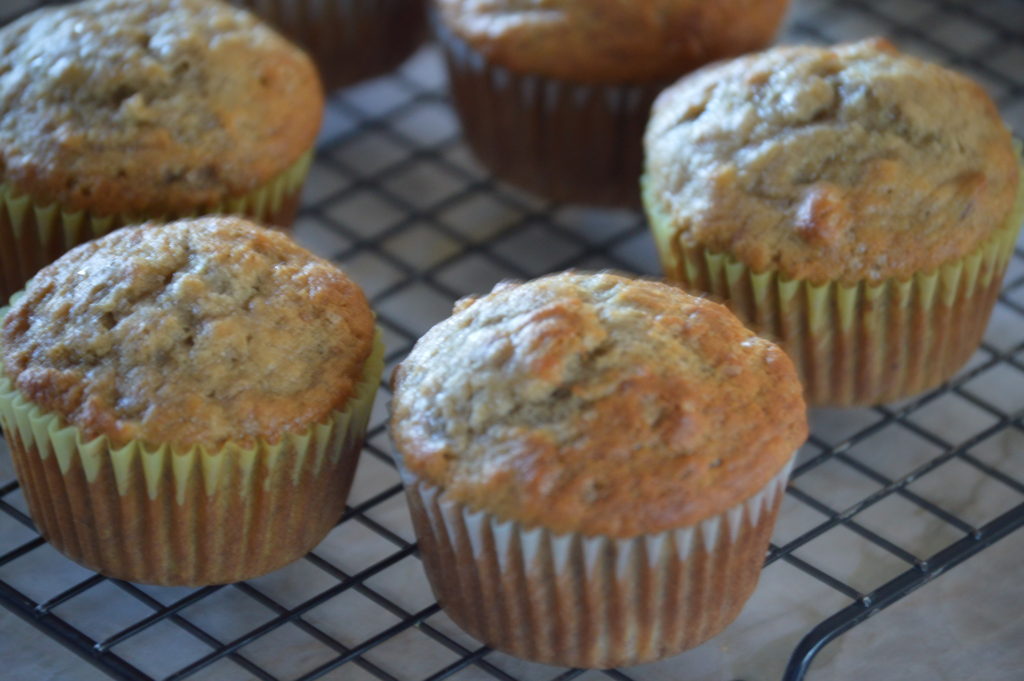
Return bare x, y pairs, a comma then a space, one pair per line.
853, 165
212, 340
554, 94
847, 163
349, 40
135, 109
595, 408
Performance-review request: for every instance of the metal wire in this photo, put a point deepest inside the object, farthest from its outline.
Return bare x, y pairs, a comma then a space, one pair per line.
393, 188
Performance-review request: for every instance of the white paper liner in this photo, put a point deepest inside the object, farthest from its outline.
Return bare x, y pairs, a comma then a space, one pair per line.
591, 601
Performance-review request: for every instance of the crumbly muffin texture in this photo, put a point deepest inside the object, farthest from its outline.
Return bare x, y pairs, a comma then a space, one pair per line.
853, 163
596, 403
192, 333
612, 41
143, 107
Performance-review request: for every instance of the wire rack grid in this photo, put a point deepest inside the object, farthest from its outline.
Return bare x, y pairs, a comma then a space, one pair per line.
882, 500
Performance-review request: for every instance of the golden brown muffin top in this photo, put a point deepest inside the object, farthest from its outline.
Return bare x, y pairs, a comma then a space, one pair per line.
148, 107
612, 41
195, 332
598, 404
853, 163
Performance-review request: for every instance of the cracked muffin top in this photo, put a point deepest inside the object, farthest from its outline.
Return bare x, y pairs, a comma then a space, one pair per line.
853, 162
598, 404
147, 107
191, 333
611, 41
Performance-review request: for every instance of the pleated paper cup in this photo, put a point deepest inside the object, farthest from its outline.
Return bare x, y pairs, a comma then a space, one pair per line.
33, 235
860, 344
591, 601
350, 40
158, 515
565, 141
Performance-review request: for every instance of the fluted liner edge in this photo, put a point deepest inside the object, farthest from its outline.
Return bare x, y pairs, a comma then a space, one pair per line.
591, 601
859, 344
193, 517
32, 235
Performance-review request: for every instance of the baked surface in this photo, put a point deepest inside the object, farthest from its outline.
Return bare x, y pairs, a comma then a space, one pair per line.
195, 332
612, 41
148, 107
849, 163
598, 404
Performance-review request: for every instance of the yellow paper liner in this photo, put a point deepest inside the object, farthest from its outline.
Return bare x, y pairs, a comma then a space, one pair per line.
195, 517
562, 140
860, 344
33, 235
349, 40
591, 601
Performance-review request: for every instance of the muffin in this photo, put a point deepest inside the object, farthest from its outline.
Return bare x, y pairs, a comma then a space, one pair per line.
857, 205
554, 95
594, 465
117, 111
349, 40
185, 403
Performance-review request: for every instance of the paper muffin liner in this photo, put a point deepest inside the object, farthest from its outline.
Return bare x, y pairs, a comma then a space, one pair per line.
194, 517
591, 601
859, 344
350, 40
565, 141
34, 235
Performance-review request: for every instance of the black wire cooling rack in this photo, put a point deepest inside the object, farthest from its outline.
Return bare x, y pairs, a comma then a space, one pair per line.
882, 500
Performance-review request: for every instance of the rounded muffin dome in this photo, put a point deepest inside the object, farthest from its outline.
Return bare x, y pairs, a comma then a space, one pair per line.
191, 333
846, 163
596, 403
147, 107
